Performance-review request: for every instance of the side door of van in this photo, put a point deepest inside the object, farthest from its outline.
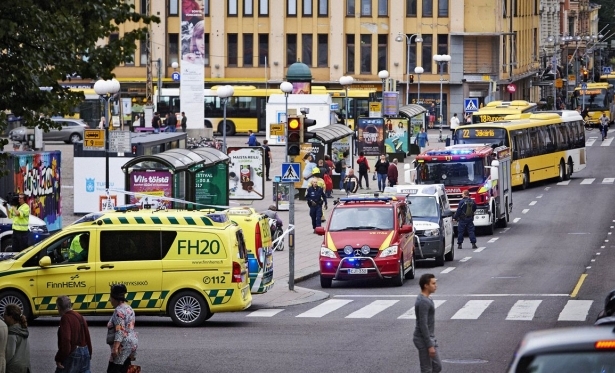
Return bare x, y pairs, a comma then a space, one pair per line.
447, 222
132, 257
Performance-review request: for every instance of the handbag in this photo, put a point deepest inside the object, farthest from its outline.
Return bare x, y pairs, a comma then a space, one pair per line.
134, 369
110, 336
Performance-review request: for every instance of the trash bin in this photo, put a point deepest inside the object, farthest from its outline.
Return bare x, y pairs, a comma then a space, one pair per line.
447, 142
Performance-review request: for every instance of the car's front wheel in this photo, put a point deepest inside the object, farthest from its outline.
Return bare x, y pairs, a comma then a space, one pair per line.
13, 297
74, 138
325, 282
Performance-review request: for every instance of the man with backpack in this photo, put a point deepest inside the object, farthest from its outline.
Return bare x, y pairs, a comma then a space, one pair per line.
465, 218
363, 170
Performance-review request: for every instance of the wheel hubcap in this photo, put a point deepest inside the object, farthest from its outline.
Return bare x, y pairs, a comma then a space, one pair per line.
9, 300
187, 309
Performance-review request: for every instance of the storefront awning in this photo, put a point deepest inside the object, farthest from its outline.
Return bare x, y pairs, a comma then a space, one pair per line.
332, 132
411, 110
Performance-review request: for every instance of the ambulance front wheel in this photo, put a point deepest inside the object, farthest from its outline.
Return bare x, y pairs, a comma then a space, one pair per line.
13, 297
187, 308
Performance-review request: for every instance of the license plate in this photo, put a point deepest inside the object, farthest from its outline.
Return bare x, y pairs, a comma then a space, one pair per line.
357, 271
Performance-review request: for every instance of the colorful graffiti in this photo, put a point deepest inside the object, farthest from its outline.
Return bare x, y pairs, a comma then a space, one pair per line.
37, 175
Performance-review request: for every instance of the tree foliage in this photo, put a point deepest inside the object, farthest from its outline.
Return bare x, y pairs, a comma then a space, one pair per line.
606, 15
45, 42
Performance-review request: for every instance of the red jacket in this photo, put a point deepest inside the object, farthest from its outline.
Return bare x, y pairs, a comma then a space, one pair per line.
73, 333
392, 173
361, 160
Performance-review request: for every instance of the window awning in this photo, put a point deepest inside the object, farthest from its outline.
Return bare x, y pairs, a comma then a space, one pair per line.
411, 110
332, 132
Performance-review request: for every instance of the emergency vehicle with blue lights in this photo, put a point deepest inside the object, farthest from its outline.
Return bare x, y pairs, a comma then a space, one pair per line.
481, 169
367, 237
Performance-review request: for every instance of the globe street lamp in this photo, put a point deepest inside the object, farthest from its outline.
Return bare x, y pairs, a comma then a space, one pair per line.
224, 93
346, 82
400, 38
106, 89
383, 75
441, 59
418, 71
287, 88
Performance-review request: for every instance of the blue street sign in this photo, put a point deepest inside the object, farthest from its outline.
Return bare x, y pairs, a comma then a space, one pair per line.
290, 172
606, 69
470, 105
583, 85
175, 76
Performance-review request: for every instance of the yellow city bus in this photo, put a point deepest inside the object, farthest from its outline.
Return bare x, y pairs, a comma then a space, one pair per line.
608, 78
498, 110
246, 109
598, 99
545, 145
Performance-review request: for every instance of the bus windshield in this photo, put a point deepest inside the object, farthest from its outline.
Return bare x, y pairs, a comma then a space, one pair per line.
469, 172
492, 136
595, 98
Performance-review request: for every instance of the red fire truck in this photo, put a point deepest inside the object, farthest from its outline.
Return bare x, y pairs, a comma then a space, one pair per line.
481, 169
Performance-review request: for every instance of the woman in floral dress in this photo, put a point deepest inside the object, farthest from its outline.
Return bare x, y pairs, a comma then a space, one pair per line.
125, 341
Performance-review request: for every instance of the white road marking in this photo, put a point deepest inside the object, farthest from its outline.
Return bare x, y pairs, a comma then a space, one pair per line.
515, 220
591, 141
411, 315
265, 312
449, 295
493, 240
523, 310
539, 196
371, 309
608, 180
524, 211
325, 308
607, 142
447, 270
575, 310
533, 203
481, 248
588, 181
465, 259
565, 182
503, 230
472, 310
547, 188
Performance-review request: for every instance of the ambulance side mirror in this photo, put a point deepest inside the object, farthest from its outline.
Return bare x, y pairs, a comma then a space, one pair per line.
495, 165
320, 231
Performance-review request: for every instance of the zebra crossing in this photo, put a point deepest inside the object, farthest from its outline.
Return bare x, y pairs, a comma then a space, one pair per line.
500, 308
589, 181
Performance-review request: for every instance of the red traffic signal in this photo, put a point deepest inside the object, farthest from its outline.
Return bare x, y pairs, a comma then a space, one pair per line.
294, 135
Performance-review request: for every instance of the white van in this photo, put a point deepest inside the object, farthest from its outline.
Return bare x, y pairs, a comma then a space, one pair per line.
432, 218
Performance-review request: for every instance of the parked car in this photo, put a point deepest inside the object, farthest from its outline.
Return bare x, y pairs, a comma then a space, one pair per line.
71, 131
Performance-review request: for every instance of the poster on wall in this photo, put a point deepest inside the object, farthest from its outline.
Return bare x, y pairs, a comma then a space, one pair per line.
89, 183
371, 136
193, 57
246, 173
211, 186
308, 157
396, 135
153, 183
37, 175
416, 123
302, 88
339, 147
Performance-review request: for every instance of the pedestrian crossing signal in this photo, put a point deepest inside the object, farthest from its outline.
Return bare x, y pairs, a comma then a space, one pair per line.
294, 134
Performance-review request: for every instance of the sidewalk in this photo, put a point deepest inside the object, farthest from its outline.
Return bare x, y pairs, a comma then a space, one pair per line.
307, 244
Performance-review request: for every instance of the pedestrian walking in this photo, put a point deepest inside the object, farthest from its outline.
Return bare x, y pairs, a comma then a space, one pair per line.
340, 167
393, 173
382, 169
454, 124
252, 139
20, 214
74, 344
156, 123
604, 125
184, 122
465, 217
363, 170
422, 140
268, 158
309, 164
316, 198
424, 334
121, 334
4, 335
17, 346
351, 182
172, 122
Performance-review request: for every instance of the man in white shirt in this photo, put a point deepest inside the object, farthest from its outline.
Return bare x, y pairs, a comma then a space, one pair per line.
454, 124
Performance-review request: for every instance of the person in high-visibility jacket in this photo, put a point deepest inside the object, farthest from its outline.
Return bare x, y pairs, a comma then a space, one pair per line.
21, 217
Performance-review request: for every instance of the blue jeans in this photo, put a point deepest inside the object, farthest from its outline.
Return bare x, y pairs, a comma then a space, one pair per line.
382, 181
156, 130
77, 362
342, 177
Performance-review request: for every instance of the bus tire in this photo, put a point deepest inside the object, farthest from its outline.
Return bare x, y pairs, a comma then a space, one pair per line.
230, 128
569, 168
208, 124
526, 179
561, 176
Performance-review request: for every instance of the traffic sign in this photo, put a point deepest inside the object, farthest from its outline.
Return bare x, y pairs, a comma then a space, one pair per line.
583, 85
290, 172
606, 69
175, 76
276, 129
470, 105
94, 139
119, 142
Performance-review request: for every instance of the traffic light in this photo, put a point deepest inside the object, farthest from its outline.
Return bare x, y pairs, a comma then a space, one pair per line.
411, 78
294, 135
305, 124
585, 75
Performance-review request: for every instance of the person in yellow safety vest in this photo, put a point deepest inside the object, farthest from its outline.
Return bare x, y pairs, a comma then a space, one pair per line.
75, 247
21, 217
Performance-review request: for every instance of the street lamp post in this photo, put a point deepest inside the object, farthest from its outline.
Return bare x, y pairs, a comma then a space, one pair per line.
224, 93
419, 39
106, 89
346, 82
441, 59
287, 88
418, 71
383, 75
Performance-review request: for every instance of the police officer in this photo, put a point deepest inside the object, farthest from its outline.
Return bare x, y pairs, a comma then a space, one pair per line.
21, 218
316, 197
465, 216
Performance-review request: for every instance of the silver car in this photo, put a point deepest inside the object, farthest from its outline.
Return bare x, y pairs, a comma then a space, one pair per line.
71, 132
566, 350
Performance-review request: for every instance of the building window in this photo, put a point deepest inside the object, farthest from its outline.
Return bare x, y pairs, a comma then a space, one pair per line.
143, 53
306, 49
143, 6
366, 53
206, 8
206, 39
291, 49
247, 7
442, 8
350, 7
350, 53
248, 49
427, 49
323, 50
411, 8
323, 8
443, 49
427, 8
291, 8
173, 49
514, 7
383, 8
413, 49
231, 49
504, 58
307, 7
504, 8
232, 8
263, 7
173, 7
366, 8
382, 52
263, 49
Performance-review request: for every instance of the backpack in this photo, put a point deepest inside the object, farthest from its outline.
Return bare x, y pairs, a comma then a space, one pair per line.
328, 182
362, 166
468, 212
338, 166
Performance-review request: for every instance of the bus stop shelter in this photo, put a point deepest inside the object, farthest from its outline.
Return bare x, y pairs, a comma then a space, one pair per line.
195, 175
416, 119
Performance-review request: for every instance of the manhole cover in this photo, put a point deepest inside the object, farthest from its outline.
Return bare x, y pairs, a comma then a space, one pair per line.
465, 361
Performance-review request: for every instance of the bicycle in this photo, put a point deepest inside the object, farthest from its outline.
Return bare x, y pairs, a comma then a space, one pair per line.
588, 126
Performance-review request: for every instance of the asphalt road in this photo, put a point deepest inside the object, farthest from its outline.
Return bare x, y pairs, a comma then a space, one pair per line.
520, 279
